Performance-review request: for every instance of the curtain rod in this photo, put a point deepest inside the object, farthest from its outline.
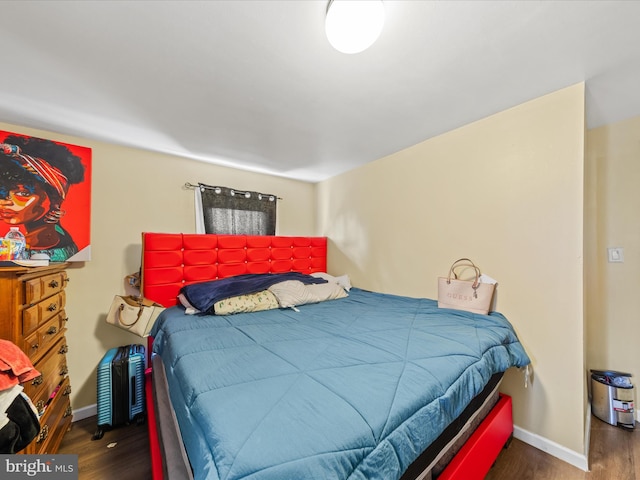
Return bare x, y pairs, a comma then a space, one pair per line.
241, 192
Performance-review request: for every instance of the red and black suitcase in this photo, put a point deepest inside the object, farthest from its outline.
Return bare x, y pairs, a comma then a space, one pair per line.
120, 388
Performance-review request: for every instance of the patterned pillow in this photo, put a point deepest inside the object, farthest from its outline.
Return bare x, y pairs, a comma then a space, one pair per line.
252, 302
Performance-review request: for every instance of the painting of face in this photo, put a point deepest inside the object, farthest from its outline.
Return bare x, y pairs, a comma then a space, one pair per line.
23, 204
45, 191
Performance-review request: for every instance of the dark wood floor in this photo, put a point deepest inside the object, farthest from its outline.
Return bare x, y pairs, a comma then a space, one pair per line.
123, 454
614, 455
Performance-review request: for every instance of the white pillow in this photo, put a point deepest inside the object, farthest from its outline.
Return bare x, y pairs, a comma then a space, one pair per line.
293, 292
343, 280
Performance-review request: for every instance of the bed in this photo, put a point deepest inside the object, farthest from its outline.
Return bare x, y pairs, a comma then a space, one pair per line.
364, 386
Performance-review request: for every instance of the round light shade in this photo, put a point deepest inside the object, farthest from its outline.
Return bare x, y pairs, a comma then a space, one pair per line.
353, 25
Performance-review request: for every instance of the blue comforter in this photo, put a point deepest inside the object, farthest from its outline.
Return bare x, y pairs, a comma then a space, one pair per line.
353, 388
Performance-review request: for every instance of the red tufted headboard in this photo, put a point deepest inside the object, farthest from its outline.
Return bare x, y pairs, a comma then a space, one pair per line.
172, 260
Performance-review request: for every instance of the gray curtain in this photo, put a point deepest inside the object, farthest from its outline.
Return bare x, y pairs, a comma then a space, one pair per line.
229, 211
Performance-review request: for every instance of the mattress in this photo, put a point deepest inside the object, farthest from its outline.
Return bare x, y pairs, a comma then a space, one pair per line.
355, 388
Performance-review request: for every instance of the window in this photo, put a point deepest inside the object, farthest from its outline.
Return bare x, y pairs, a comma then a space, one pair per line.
228, 211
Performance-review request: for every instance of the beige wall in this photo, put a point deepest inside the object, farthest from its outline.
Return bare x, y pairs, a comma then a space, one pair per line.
136, 191
506, 191
612, 220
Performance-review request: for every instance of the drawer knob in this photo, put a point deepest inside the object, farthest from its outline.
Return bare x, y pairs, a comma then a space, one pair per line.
44, 433
40, 407
52, 330
37, 381
63, 371
67, 412
65, 319
54, 284
67, 391
63, 349
35, 346
53, 307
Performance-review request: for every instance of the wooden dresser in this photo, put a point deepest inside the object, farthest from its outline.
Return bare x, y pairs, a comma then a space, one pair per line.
32, 315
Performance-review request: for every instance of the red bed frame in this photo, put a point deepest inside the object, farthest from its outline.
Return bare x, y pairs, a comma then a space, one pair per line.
172, 260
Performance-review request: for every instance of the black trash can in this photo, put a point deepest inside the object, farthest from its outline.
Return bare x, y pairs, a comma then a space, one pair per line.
612, 396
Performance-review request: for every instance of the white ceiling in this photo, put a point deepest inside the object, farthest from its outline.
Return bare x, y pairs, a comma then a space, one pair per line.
255, 84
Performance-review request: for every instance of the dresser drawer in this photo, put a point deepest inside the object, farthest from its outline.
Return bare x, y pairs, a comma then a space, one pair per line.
54, 422
38, 342
53, 370
38, 288
36, 315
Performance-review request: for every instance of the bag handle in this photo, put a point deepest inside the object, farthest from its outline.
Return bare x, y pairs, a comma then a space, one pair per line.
128, 325
476, 282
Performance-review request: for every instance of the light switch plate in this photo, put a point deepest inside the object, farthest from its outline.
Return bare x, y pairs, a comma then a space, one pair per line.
616, 254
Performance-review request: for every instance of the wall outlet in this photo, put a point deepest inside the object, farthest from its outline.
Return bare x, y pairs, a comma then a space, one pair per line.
616, 254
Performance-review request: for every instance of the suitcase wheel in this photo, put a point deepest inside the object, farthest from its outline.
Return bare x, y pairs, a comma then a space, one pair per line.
140, 419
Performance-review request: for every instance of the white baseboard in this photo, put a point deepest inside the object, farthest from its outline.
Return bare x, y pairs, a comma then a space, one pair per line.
563, 453
85, 412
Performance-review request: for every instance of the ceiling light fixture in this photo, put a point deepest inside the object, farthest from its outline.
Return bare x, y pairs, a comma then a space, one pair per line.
353, 25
